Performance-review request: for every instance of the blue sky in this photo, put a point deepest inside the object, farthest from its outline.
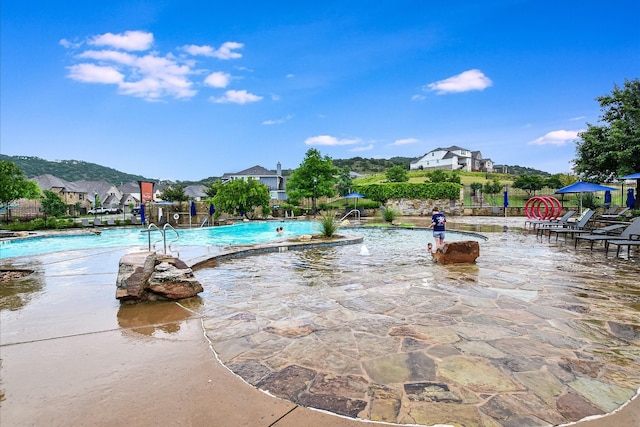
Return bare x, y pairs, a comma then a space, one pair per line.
186, 90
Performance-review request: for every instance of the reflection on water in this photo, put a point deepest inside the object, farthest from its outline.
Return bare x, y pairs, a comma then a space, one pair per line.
18, 287
154, 318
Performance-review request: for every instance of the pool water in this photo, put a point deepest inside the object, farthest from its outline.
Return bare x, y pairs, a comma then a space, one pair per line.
241, 233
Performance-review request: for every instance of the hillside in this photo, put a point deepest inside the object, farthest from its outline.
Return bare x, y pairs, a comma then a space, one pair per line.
70, 170
77, 170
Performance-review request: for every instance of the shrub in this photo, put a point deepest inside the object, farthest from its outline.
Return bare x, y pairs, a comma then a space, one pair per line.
328, 225
389, 215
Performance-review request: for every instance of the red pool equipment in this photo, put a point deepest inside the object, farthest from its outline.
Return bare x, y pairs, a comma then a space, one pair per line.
552, 208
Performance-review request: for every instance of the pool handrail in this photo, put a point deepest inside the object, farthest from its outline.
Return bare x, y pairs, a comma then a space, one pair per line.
162, 231
352, 211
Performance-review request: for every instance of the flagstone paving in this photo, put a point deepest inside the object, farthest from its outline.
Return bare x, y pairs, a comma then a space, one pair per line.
535, 333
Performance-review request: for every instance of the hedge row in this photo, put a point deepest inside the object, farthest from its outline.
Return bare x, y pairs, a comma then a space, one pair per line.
404, 190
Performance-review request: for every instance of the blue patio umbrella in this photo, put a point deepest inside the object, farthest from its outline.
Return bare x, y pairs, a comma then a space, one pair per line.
584, 187
212, 209
193, 208
607, 199
631, 200
143, 218
355, 196
632, 176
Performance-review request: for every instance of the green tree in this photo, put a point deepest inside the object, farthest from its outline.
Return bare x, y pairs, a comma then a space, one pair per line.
344, 181
14, 186
529, 183
397, 173
52, 204
212, 189
174, 193
612, 149
492, 188
316, 174
242, 197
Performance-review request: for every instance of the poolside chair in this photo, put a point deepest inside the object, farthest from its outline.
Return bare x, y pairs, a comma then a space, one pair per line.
85, 222
111, 222
542, 224
535, 223
629, 231
97, 222
615, 215
634, 241
573, 228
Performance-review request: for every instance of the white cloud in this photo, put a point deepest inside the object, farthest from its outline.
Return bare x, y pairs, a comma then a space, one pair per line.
556, 137
236, 97
91, 73
361, 148
329, 140
575, 119
278, 121
463, 82
290, 76
218, 79
226, 51
109, 55
405, 141
69, 44
129, 40
151, 75
418, 97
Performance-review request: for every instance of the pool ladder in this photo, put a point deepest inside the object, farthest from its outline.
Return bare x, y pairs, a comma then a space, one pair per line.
163, 231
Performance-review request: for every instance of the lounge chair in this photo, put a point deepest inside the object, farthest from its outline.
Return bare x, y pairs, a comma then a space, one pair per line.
111, 222
615, 215
542, 224
85, 222
634, 241
629, 231
97, 222
574, 228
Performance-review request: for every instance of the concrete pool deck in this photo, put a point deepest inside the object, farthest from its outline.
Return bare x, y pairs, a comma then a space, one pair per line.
71, 355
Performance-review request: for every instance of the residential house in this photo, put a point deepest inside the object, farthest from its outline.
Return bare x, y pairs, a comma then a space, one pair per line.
273, 180
70, 192
196, 192
108, 194
453, 158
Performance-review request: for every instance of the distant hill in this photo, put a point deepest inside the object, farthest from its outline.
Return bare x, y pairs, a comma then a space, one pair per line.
78, 170
371, 166
70, 170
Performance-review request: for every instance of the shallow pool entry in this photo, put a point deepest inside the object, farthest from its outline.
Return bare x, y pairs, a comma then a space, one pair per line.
532, 334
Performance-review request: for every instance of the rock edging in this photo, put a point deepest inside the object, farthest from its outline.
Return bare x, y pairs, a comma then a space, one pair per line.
147, 276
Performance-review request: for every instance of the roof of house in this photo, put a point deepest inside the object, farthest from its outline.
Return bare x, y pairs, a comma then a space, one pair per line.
47, 182
252, 171
194, 191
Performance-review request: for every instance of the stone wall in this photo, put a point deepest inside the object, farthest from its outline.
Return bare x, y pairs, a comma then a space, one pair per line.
423, 207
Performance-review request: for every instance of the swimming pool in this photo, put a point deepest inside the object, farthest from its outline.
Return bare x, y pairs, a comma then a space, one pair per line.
241, 233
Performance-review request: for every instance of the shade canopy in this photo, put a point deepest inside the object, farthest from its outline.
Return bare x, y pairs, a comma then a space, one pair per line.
632, 176
354, 196
584, 187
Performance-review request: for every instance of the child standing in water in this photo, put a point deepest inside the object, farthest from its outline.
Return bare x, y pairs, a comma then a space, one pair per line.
438, 221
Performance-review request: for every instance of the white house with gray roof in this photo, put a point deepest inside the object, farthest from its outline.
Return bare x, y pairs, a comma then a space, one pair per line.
453, 158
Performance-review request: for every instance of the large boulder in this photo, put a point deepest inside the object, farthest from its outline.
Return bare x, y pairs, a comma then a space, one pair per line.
462, 252
146, 276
